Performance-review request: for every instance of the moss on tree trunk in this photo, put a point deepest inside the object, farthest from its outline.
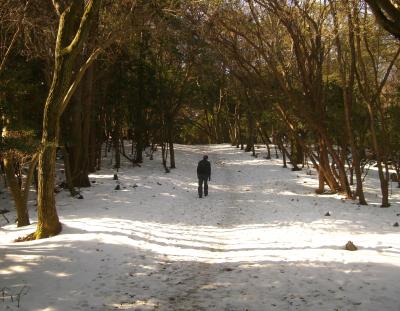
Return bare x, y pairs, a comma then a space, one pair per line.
72, 32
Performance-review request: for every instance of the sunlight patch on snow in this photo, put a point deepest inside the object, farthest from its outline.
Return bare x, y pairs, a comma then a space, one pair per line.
14, 269
146, 304
219, 187
310, 183
141, 274
215, 285
287, 192
311, 194
100, 225
102, 176
166, 194
232, 189
298, 242
146, 267
21, 258
58, 274
252, 162
122, 201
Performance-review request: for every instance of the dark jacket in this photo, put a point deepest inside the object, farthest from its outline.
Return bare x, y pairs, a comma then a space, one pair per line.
204, 168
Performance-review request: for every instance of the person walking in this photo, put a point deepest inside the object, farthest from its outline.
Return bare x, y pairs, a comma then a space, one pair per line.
204, 175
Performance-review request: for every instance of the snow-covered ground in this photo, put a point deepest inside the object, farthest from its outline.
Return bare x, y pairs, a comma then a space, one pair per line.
259, 241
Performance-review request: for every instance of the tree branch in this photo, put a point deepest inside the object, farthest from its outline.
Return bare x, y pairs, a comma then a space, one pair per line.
78, 78
83, 27
380, 8
14, 38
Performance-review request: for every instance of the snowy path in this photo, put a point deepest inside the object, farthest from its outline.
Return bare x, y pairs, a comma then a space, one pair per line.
259, 241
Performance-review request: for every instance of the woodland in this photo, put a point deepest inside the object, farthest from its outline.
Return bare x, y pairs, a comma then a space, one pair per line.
106, 107
317, 81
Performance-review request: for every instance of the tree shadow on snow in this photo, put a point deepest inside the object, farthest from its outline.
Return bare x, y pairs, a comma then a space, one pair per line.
100, 275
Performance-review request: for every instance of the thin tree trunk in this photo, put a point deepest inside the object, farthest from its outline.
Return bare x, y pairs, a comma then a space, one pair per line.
266, 142
250, 132
384, 183
20, 193
324, 167
87, 103
116, 145
172, 155
347, 90
283, 151
68, 173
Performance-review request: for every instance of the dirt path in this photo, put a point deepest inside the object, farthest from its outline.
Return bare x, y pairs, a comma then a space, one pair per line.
200, 281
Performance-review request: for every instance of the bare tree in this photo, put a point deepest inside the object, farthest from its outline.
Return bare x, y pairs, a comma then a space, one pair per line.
7, 13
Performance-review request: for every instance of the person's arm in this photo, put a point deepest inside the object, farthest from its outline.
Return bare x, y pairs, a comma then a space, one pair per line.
209, 171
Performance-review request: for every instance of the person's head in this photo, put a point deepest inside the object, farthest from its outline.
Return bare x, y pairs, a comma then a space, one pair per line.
205, 157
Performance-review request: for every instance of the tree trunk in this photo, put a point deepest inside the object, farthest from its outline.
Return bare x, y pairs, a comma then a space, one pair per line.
116, 145
72, 32
250, 132
321, 182
68, 173
348, 96
93, 142
98, 138
48, 222
164, 154
283, 151
286, 154
171, 143
384, 182
73, 133
87, 102
299, 158
275, 142
16, 192
240, 138
344, 181
77, 123
172, 155
266, 141
324, 167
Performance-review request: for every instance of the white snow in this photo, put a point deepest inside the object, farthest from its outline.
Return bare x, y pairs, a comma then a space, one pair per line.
259, 241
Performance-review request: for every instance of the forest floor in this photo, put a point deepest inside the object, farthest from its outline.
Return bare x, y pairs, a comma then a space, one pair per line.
259, 241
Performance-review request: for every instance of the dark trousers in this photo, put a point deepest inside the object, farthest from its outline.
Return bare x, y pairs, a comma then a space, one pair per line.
203, 179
